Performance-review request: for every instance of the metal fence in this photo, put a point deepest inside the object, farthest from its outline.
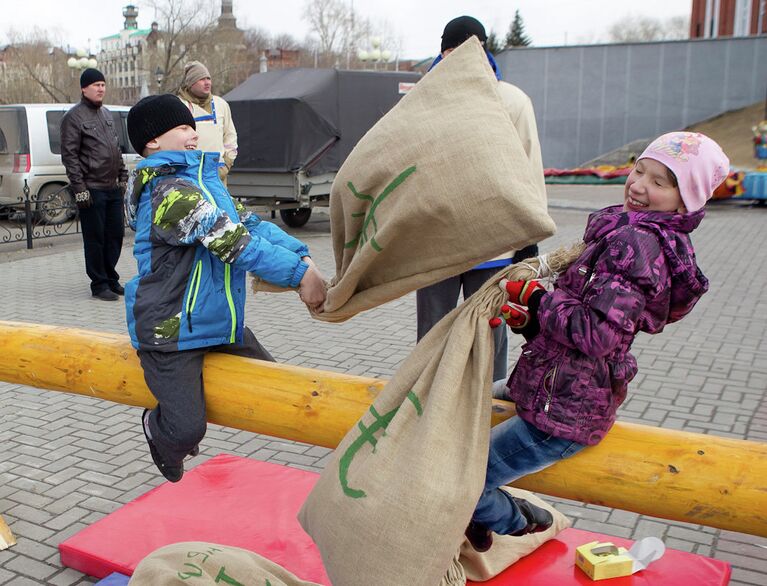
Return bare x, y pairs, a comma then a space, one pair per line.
592, 99
31, 219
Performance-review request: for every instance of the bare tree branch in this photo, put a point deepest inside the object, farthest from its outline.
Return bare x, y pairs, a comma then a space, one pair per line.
52, 91
184, 26
328, 19
36, 71
633, 28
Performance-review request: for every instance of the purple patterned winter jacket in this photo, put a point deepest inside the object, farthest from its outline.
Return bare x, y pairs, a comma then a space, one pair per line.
638, 273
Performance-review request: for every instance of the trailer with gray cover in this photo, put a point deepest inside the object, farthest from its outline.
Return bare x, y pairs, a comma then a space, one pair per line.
296, 127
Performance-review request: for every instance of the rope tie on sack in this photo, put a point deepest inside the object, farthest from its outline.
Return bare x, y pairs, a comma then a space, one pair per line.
541, 270
545, 266
544, 270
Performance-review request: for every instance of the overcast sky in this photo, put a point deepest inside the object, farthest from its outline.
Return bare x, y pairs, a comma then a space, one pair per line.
418, 23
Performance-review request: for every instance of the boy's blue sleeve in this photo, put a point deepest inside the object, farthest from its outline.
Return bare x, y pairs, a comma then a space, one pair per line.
273, 233
278, 236
182, 216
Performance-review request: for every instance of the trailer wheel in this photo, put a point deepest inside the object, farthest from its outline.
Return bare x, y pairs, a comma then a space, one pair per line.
296, 218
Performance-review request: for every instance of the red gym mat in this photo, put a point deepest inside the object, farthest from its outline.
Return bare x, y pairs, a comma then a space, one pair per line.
253, 505
228, 500
553, 564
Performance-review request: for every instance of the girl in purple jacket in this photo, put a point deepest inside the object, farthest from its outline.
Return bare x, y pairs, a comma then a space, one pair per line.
637, 273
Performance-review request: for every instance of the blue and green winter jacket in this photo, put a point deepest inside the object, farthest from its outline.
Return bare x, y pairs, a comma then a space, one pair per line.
194, 245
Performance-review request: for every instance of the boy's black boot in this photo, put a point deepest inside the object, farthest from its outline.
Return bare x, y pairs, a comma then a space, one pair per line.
171, 473
480, 537
538, 519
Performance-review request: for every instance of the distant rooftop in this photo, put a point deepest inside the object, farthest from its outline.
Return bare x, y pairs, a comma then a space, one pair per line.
141, 32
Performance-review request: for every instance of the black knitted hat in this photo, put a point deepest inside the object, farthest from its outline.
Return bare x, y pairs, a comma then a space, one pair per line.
460, 29
156, 115
90, 76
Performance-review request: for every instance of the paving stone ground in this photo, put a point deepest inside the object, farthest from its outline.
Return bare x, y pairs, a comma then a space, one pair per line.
68, 460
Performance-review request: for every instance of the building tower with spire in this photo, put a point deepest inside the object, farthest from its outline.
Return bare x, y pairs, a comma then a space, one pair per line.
130, 12
226, 28
227, 21
128, 58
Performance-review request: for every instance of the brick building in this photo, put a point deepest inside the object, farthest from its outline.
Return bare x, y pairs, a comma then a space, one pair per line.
727, 18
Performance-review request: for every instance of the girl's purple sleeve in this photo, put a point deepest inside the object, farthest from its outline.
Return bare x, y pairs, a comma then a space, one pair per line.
597, 321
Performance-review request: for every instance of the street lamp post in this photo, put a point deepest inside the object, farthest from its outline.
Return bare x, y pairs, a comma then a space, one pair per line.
81, 61
159, 75
375, 55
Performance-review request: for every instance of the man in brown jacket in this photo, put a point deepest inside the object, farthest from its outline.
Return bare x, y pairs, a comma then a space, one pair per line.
90, 151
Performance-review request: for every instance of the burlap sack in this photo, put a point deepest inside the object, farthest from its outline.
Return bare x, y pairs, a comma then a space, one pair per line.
208, 563
440, 184
506, 550
392, 506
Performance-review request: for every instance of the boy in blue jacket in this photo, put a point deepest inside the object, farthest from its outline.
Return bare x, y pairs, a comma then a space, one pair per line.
194, 245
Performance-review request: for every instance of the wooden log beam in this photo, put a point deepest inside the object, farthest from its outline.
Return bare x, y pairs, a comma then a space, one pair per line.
6, 536
669, 474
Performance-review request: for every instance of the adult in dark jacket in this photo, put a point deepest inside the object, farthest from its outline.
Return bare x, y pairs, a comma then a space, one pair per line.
90, 151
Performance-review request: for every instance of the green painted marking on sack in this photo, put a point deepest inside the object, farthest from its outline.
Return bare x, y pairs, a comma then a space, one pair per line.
187, 575
362, 236
414, 400
223, 578
367, 436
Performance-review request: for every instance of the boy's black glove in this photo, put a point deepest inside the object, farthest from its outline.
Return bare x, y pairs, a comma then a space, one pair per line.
83, 199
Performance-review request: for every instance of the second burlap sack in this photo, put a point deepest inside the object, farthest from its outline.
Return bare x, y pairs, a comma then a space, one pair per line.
440, 184
207, 564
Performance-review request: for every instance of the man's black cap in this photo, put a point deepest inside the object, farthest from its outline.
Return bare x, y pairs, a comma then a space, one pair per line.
90, 76
460, 29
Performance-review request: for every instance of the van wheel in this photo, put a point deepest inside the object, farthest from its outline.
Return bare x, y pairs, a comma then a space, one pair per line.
55, 204
297, 217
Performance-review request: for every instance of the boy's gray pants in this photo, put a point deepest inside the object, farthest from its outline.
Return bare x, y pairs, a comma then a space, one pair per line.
178, 423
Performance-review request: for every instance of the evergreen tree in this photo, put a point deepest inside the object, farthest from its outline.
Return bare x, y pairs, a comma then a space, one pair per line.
493, 44
516, 36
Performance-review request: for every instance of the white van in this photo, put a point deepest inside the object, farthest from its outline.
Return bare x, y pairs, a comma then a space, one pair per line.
30, 148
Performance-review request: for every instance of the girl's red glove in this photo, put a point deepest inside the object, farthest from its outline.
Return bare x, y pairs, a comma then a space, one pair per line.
516, 317
520, 291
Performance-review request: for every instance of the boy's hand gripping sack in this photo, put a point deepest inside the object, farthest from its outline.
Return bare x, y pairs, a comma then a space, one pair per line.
440, 184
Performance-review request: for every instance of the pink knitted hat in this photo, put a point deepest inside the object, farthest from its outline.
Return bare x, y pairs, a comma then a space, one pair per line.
698, 163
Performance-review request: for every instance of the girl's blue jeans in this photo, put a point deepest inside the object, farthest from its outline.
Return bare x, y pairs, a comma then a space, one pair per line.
516, 449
